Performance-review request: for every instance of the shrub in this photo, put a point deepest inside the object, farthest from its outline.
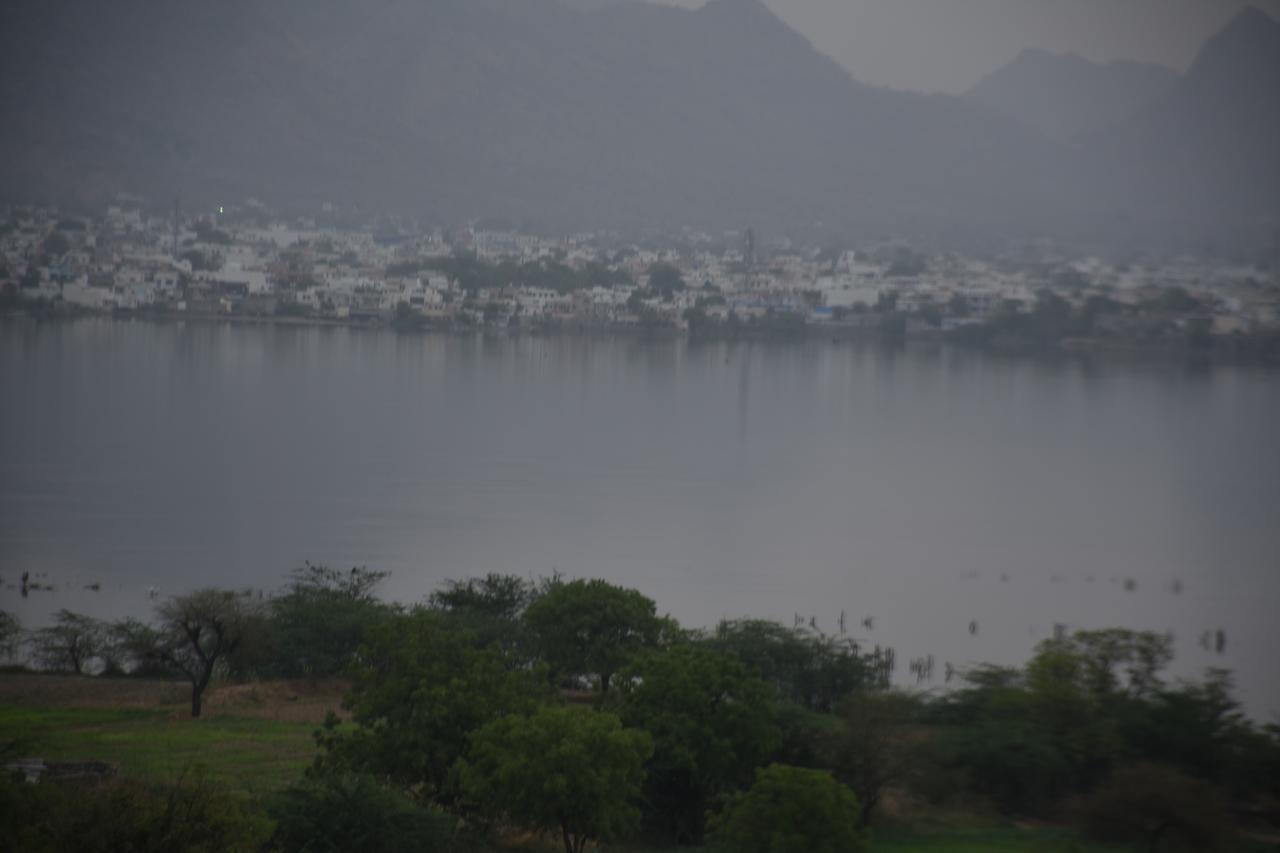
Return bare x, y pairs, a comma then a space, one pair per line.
790, 810
345, 812
128, 815
1158, 808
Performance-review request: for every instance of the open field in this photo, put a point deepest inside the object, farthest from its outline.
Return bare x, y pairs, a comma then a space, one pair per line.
254, 737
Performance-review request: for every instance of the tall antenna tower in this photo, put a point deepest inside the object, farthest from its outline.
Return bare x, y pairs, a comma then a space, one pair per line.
749, 259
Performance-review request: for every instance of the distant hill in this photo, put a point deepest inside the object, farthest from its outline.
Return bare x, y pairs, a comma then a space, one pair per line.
1067, 97
1212, 144
633, 115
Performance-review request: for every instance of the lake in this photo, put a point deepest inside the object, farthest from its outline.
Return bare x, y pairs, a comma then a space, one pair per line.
963, 502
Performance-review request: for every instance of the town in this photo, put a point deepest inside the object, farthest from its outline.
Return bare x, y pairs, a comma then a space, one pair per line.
245, 262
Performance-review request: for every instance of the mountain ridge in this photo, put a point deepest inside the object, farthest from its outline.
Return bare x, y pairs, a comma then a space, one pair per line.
634, 115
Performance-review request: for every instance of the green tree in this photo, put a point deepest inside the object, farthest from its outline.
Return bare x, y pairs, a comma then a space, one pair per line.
493, 596
319, 622
805, 666
337, 813
713, 724
569, 770
422, 686
665, 280
590, 627
10, 634
492, 606
790, 810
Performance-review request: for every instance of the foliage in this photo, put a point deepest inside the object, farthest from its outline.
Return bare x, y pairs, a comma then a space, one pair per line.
71, 644
492, 606
713, 724
317, 625
423, 684
574, 771
472, 274
10, 634
1113, 660
806, 667
590, 627
873, 749
346, 812
665, 280
56, 244
127, 815
206, 261
790, 810
1158, 808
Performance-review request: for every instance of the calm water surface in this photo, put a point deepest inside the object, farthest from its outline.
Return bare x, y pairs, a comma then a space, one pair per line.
923, 487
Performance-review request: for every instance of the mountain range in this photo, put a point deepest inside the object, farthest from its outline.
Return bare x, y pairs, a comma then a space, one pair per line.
1067, 97
629, 115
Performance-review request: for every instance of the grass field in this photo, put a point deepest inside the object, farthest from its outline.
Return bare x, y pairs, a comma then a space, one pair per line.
256, 738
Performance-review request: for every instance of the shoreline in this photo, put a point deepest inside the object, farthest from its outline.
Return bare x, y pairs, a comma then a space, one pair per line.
1225, 353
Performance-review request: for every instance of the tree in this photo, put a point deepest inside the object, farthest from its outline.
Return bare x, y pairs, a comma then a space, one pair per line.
71, 643
56, 244
665, 280
872, 749
423, 684
493, 596
805, 666
790, 810
712, 722
592, 627
196, 634
492, 606
10, 634
319, 622
572, 770
337, 813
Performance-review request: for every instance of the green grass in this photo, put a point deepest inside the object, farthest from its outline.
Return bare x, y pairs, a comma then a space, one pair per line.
251, 754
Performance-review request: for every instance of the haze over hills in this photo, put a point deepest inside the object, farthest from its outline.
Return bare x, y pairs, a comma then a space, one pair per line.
630, 115
1213, 143
1067, 97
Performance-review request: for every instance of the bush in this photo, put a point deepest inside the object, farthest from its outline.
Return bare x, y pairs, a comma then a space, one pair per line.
344, 812
127, 815
790, 810
1157, 808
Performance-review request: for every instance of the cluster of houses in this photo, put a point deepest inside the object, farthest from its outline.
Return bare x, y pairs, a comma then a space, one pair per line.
254, 265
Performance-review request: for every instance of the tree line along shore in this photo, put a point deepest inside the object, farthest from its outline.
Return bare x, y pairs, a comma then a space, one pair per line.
506, 712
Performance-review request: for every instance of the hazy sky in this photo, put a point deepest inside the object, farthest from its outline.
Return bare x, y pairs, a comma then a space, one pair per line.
947, 45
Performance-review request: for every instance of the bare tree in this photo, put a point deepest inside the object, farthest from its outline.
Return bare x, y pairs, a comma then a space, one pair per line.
196, 633
72, 642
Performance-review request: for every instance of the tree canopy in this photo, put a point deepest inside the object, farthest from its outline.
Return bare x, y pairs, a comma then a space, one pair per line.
572, 771
591, 627
423, 685
712, 723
